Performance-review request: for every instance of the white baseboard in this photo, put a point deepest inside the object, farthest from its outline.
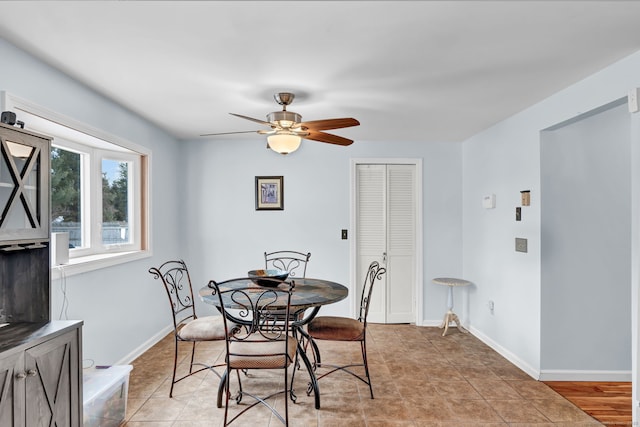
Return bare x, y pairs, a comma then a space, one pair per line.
534, 373
578, 375
431, 323
137, 352
549, 374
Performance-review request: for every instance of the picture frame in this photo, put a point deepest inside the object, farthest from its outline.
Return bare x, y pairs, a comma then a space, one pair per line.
269, 193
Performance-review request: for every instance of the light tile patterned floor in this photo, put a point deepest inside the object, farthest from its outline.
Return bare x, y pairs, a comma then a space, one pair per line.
420, 379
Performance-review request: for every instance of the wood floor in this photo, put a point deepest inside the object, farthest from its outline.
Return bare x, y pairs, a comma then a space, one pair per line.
608, 402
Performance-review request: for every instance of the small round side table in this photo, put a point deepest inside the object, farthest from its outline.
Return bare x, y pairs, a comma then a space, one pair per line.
451, 316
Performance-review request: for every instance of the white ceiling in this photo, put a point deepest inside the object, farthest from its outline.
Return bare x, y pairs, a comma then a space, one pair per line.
415, 70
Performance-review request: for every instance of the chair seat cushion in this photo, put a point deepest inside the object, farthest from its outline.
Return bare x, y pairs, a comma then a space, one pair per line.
207, 328
261, 354
335, 328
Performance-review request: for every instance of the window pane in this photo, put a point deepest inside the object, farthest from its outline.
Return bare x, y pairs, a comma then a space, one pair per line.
66, 197
115, 202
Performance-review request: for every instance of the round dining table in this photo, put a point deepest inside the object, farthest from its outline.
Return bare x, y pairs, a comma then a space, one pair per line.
308, 293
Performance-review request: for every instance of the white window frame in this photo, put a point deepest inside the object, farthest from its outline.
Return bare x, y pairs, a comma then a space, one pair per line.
76, 136
91, 192
133, 196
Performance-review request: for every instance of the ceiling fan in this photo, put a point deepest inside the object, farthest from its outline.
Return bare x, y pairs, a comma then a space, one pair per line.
287, 128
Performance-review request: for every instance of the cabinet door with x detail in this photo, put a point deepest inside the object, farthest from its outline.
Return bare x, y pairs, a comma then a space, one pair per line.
24, 189
52, 382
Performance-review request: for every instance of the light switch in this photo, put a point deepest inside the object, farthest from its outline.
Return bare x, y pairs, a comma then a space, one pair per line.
521, 244
344, 234
632, 99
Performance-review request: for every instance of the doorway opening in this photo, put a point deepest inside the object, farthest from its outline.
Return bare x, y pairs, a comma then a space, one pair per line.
586, 247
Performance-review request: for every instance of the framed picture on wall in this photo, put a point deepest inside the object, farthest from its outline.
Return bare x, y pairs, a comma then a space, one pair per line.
269, 193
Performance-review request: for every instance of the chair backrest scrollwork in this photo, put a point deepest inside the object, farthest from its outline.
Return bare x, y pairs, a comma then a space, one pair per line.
177, 283
293, 262
257, 311
375, 272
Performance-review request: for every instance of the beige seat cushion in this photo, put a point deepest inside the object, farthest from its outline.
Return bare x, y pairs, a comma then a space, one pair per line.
261, 355
335, 328
207, 328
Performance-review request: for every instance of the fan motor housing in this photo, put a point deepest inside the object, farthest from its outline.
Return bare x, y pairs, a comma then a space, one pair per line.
277, 116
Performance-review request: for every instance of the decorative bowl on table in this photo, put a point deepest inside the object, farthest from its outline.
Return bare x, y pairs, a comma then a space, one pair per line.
269, 278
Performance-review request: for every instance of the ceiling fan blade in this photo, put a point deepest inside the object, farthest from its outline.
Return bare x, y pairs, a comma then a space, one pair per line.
327, 137
229, 133
262, 122
330, 124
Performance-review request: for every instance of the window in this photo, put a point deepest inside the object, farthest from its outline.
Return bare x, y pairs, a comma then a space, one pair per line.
98, 192
95, 197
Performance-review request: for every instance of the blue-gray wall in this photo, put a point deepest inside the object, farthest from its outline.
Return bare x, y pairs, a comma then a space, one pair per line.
586, 243
504, 160
228, 236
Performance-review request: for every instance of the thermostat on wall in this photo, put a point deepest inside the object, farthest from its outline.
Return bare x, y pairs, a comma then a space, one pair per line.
489, 201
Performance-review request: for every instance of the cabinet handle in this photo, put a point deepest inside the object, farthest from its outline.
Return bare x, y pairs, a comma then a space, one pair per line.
21, 375
31, 373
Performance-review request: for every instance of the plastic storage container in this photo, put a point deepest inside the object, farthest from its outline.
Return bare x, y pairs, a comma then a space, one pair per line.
105, 396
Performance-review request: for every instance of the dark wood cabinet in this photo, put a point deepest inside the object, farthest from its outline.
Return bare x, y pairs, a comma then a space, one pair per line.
24, 286
41, 377
40, 359
24, 225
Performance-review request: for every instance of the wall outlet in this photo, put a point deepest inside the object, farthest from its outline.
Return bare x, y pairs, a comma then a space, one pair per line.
491, 306
521, 245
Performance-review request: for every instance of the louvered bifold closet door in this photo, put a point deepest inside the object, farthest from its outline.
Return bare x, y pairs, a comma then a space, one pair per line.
386, 233
400, 243
371, 233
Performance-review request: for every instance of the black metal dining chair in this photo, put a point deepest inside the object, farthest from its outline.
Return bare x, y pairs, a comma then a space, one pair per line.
293, 262
260, 343
334, 328
187, 326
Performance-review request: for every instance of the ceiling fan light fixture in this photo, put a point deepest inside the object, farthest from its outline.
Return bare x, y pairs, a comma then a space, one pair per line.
286, 128
284, 143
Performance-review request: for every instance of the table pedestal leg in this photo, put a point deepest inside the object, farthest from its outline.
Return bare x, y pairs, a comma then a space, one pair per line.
451, 317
